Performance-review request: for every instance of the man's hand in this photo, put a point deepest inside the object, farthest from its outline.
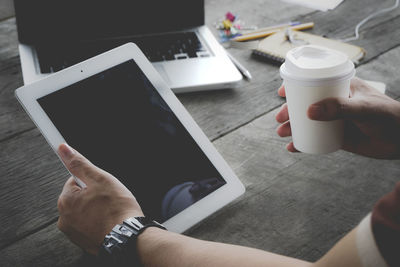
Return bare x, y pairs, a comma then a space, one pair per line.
88, 214
372, 120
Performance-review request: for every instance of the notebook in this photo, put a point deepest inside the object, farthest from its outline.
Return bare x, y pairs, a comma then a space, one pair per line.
277, 45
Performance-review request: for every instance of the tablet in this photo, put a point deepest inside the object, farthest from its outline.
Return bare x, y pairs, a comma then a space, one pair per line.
117, 111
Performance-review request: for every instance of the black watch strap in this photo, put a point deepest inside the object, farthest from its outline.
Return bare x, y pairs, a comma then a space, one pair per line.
119, 246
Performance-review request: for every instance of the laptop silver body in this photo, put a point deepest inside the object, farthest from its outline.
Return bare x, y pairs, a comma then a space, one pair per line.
211, 69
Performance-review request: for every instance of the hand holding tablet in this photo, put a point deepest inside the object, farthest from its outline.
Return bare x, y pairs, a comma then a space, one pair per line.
117, 111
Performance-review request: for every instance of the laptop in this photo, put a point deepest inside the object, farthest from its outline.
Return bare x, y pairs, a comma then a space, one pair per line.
54, 35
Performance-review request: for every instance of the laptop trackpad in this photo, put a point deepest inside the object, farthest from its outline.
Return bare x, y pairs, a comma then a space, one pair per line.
161, 70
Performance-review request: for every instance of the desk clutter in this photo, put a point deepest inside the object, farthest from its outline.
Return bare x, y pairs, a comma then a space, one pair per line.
274, 42
231, 26
279, 39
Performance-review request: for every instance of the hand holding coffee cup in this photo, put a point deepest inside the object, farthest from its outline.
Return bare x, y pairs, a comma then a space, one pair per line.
310, 74
372, 120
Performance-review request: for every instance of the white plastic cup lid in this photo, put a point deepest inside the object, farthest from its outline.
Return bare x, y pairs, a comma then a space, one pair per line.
311, 63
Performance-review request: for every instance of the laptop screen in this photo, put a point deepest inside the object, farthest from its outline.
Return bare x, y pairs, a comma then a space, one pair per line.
53, 21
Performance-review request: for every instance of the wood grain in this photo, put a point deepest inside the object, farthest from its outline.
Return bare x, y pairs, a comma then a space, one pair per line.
13, 119
295, 204
220, 112
340, 23
8, 39
6, 9
299, 205
31, 179
290, 197
35, 251
385, 37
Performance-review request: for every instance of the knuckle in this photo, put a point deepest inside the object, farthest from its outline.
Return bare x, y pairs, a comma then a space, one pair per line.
103, 176
105, 197
341, 107
63, 203
60, 203
76, 163
61, 226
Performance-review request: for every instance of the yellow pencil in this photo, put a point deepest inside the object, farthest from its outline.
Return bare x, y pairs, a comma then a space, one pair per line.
258, 34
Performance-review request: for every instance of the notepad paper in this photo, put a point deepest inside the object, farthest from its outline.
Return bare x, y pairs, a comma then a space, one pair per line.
277, 45
323, 5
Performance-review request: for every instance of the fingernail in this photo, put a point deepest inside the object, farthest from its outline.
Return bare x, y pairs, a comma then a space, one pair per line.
315, 111
66, 152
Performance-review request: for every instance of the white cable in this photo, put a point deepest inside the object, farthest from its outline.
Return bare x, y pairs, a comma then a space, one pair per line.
382, 11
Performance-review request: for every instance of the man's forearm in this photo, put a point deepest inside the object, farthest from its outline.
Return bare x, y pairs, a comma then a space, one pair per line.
157, 247
344, 253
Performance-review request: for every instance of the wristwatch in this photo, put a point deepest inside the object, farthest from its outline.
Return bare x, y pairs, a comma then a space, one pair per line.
119, 246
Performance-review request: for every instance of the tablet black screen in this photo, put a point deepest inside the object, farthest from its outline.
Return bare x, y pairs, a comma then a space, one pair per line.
119, 122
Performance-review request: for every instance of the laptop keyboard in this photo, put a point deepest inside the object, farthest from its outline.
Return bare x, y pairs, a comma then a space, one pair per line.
175, 46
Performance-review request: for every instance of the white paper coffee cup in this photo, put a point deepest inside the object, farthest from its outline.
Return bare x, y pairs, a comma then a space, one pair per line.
310, 74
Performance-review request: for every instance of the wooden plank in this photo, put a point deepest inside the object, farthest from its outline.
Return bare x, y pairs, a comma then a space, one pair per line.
304, 210
12, 117
295, 204
385, 69
219, 112
31, 180
8, 40
384, 37
6, 9
211, 109
300, 212
35, 251
340, 23
213, 101
299, 205
20, 168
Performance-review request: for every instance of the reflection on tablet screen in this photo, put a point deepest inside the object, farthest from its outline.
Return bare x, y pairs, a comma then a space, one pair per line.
118, 121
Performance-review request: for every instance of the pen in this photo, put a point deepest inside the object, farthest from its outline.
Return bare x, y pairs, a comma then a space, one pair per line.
239, 66
278, 26
259, 34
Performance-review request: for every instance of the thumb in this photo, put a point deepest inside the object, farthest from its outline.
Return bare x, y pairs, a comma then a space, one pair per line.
78, 165
337, 108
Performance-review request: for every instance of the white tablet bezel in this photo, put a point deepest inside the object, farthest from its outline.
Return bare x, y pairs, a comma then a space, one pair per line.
28, 95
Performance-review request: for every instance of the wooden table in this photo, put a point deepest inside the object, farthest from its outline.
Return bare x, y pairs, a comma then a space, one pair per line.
295, 204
